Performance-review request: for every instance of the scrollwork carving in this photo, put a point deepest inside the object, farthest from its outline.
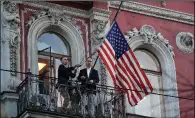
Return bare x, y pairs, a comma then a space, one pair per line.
185, 42
150, 36
55, 16
11, 31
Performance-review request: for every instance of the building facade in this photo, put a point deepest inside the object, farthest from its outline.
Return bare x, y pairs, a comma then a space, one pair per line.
34, 35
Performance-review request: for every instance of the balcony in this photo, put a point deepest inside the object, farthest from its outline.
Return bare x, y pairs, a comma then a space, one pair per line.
45, 101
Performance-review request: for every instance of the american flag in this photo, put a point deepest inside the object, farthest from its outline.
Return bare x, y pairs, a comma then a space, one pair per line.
123, 66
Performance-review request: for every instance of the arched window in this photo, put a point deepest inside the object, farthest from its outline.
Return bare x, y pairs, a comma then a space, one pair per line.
57, 43
156, 57
151, 104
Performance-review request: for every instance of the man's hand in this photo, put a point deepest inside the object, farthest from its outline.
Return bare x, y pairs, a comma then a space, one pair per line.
91, 81
82, 77
74, 71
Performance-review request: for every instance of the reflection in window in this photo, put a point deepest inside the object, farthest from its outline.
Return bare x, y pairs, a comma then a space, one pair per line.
151, 105
56, 43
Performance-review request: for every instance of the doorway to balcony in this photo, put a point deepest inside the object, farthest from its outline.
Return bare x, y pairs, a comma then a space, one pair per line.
51, 47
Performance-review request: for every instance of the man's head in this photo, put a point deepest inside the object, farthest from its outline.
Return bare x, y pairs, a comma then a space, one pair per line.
89, 62
64, 60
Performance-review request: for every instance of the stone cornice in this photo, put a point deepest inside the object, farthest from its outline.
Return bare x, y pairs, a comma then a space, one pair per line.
69, 10
155, 11
65, 9
100, 13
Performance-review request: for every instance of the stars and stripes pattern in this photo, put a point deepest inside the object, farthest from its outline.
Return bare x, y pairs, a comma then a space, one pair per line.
123, 66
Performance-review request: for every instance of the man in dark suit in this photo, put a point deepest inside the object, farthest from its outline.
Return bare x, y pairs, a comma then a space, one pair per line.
89, 78
65, 73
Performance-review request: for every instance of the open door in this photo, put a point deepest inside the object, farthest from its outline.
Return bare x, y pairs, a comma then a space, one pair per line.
44, 75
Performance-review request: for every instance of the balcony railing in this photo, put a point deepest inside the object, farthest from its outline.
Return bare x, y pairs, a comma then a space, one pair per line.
45, 96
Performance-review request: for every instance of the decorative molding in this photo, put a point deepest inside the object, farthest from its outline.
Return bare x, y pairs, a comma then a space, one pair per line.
11, 31
104, 14
58, 13
64, 9
98, 31
98, 19
149, 35
101, 14
56, 17
185, 42
155, 11
29, 9
63, 25
103, 74
146, 38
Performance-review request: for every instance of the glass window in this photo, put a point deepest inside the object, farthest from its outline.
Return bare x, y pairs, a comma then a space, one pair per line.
147, 60
151, 104
58, 45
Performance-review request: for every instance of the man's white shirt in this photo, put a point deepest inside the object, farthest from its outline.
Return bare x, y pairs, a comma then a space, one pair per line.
88, 71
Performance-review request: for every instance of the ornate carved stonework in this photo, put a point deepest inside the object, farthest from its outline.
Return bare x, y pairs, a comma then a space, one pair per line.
11, 31
99, 19
65, 9
103, 73
56, 17
101, 14
148, 39
185, 42
150, 36
98, 31
99, 22
154, 11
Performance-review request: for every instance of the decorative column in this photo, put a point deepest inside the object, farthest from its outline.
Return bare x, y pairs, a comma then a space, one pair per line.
10, 40
99, 25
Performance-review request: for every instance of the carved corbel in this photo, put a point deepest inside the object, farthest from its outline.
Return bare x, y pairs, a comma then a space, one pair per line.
98, 31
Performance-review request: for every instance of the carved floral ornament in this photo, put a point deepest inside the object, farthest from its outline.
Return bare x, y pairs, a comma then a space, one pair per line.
185, 42
150, 36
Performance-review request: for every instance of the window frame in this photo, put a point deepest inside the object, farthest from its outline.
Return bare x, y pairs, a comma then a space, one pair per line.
158, 74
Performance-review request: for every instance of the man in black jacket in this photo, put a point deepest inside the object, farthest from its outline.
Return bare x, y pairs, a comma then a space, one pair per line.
65, 73
89, 78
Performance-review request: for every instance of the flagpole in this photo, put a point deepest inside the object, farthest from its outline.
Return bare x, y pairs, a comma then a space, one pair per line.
117, 12
112, 23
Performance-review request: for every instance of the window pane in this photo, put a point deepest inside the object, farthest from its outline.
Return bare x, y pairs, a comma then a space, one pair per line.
147, 60
53, 40
151, 104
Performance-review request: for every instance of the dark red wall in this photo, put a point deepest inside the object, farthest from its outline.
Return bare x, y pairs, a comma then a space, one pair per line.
182, 6
184, 62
